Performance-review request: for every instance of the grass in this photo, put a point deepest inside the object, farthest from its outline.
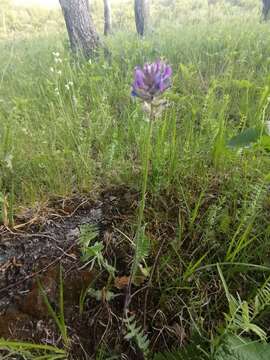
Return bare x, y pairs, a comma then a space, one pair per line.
71, 126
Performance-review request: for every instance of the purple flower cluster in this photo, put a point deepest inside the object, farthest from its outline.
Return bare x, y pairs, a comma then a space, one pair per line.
151, 80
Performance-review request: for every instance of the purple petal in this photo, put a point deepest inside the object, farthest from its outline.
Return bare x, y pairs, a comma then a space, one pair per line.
161, 85
151, 80
147, 68
133, 93
158, 65
165, 84
153, 69
157, 80
167, 72
139, 77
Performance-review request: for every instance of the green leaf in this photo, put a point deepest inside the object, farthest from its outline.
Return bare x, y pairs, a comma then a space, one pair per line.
101, 294
265, 142
232, 348
245, 138
136, 332
236, 348
88, 233
141, 251
189, 352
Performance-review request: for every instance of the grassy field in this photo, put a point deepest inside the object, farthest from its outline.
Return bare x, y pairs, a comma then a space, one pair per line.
70, 127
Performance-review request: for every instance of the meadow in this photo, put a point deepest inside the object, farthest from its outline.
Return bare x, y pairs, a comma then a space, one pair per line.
71, 128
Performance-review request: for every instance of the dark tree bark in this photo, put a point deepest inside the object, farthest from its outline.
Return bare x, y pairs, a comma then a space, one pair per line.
107, 17
265, 9
82, 34
141, 8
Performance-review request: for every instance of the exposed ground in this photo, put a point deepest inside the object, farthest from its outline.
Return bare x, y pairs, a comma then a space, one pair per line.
45, 239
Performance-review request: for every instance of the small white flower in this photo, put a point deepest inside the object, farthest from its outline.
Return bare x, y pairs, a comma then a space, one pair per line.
146, 119
8, 160
52, 69
70, 83
59, 72
56, 54
57, 60
56, 90
75, 100
67, 86
90, 61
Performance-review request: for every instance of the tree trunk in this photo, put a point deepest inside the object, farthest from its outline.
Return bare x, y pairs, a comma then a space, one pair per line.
265, 9
212, 2
107, 17
141, 15
80, 27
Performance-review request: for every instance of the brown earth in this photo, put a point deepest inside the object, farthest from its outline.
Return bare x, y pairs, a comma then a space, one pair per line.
45, 239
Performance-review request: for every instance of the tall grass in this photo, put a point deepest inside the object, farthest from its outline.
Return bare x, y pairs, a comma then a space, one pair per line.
92, 132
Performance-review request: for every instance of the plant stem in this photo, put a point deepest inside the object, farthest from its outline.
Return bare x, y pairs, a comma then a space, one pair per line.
147, 151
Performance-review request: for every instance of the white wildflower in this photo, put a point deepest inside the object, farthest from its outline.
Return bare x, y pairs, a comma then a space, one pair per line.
75, 100
58, 60
59, 72
8, 160
52, 69
146, 119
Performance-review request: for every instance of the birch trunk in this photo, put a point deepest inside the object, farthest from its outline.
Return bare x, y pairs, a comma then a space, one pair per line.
141, 9
107, 17
82, 33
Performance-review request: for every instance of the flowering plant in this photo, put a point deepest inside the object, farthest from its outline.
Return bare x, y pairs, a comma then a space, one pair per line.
151, 80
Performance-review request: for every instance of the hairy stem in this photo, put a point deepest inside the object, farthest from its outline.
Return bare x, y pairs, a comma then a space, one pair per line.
146, 162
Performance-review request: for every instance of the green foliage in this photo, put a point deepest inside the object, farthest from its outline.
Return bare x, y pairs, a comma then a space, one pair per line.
262, 299
188, 352
142, 249
92, 252
28, 19
29, 351
88, 233
135, 332
58, 318
231, 348
242, 314
101, 295
245, 138
237, 348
